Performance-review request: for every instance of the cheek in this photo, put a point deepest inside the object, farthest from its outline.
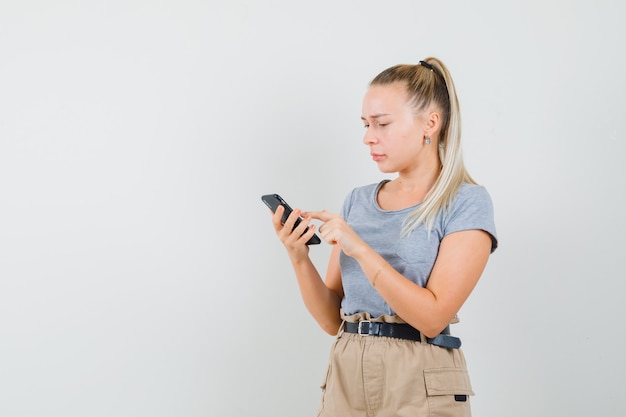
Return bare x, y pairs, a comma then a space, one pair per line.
410, 147
408, 141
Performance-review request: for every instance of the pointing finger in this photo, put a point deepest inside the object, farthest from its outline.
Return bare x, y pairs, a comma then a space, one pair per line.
321, 215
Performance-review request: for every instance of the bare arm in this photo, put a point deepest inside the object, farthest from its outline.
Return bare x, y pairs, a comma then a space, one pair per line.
322, 299
461, 260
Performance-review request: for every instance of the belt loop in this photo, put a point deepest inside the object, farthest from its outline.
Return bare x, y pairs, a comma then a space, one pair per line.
341, 329
423, 338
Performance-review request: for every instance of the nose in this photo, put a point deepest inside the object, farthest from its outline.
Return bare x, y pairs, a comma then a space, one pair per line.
369, 137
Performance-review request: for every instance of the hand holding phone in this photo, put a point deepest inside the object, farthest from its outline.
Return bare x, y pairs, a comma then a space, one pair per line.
273, 201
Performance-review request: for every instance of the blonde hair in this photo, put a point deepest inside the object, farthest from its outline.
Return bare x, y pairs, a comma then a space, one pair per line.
427, 83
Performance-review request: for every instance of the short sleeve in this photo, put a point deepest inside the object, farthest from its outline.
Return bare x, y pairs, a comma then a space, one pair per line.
471, 209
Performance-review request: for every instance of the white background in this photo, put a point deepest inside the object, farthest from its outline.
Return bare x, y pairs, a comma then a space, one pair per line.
139, 272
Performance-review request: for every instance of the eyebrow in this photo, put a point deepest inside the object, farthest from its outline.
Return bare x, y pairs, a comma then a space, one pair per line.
375, 116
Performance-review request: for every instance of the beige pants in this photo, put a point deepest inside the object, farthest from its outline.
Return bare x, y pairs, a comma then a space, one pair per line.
373, 376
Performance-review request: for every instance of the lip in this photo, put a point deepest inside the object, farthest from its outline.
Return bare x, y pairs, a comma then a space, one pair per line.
376, 156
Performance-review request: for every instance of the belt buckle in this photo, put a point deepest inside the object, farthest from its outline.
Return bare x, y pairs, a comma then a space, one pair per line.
360, 328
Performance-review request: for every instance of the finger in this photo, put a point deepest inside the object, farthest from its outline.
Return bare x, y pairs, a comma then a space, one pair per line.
332, 238
329, 235
301, 224
321, 215
307, 234
291, 220
277, 218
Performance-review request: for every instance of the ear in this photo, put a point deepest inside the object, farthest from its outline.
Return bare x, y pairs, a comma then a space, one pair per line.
432, 123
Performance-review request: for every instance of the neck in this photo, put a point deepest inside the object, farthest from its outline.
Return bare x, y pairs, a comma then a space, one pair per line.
420, 179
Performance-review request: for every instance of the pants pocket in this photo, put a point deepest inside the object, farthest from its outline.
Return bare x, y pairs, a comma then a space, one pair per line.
448, 391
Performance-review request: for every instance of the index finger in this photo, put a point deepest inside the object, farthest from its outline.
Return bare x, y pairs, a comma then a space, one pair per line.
321, 215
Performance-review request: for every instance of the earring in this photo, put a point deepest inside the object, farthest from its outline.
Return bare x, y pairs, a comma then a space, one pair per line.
427, 141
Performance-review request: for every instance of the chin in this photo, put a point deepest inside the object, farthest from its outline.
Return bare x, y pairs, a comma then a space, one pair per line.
386, 170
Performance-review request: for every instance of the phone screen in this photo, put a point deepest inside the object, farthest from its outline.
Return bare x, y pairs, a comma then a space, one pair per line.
273, 201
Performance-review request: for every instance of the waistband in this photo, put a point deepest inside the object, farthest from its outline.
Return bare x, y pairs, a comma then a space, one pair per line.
401, 331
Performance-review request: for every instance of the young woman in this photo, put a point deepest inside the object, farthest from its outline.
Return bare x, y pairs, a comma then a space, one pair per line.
407, 253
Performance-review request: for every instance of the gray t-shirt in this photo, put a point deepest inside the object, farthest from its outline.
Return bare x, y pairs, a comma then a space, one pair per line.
414, 255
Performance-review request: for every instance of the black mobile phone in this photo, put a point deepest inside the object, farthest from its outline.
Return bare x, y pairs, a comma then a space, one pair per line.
273, 201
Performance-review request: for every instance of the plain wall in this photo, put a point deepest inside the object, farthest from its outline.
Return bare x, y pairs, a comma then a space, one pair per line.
139, 272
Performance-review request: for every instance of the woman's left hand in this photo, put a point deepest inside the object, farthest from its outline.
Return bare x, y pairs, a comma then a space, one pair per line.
336, 231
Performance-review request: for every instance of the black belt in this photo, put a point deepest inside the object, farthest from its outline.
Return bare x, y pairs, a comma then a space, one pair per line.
401, 331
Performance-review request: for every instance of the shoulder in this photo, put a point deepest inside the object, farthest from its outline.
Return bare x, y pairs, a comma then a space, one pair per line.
471, 208
471, 194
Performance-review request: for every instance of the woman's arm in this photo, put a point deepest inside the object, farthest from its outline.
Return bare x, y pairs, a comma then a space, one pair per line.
322, 299
460, 262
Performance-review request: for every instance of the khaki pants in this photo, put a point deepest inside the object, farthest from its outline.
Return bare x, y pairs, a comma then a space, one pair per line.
373, 376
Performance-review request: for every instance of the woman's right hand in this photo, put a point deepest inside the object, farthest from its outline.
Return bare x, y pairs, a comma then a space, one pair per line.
293, 239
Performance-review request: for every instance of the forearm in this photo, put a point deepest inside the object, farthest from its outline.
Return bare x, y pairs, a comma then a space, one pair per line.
460, 262
321, 302
416, 305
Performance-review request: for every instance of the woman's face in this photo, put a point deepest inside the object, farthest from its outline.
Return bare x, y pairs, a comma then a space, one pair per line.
394, 133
